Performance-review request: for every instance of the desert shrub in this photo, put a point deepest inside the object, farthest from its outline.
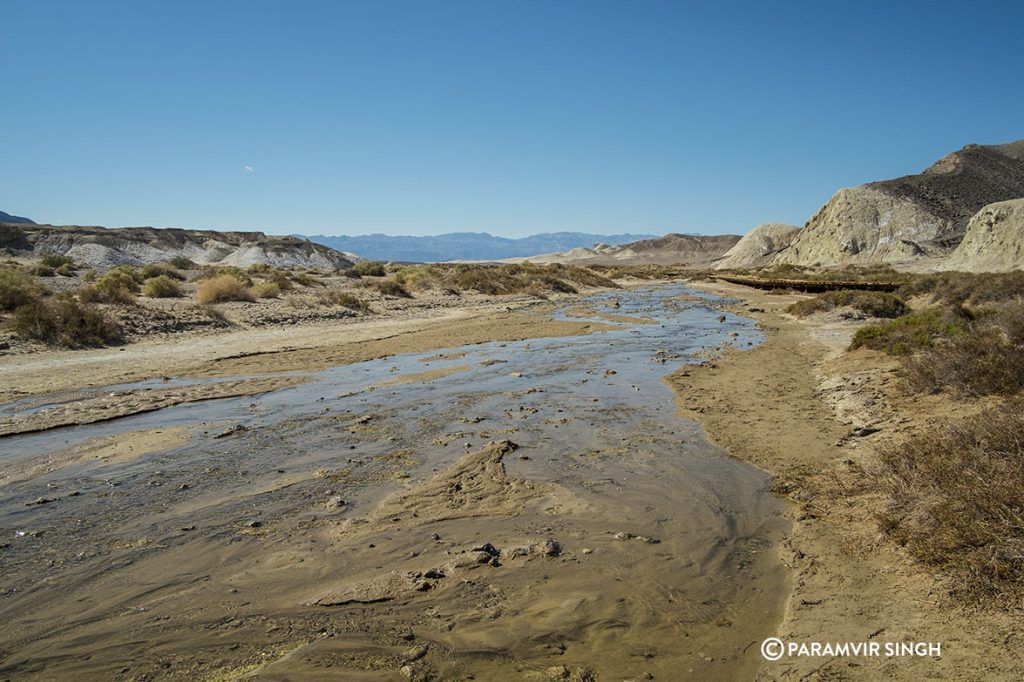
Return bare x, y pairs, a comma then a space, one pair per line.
873, 303
305, 280
913, 332
160, 269
281, 279
17, 288
958, 288
89, 275
265, 290
127, 271
987, 359
367, 268
181, 263
54, 261
216, 271
161, 286
222, 288
42, 271
66, 270
114, 286
65, 322
390, 287
258, 268
336, 297
956, 500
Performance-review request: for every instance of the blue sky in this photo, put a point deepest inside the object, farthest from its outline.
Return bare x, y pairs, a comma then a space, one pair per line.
508, 117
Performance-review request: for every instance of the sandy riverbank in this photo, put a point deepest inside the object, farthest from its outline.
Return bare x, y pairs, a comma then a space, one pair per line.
791, 406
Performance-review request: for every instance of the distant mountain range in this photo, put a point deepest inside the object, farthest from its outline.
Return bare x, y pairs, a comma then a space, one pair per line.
14, 219
465, 245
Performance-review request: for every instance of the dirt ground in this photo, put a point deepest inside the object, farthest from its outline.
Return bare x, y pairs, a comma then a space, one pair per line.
793, 406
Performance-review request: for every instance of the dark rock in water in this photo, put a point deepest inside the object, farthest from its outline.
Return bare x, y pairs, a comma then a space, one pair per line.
864, 431
255, 523
407, 636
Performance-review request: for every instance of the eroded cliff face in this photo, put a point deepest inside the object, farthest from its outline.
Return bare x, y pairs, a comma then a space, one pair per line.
913, 216
103, 247
865, 225
759, 246
994, 241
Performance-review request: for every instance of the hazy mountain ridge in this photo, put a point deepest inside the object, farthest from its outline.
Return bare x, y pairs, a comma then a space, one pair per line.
102, 246
464, 245
671, 249
15, 219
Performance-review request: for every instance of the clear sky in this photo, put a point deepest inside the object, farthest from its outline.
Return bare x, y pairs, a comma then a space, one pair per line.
511, 117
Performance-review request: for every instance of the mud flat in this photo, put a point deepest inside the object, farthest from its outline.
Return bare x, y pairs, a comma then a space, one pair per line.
793, 406
519, 508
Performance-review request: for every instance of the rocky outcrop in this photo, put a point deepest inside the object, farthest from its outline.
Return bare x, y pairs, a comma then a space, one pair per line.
913, 216
105, 247
994, 241
758, 246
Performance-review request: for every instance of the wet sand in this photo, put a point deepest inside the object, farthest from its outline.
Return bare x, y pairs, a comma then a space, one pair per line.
515, 509
790, 406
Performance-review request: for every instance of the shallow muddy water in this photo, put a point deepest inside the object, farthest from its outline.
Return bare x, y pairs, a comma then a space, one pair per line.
213, 539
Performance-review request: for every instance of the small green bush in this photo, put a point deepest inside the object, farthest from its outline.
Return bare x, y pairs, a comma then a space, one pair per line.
281, 279
265, 290
17, 288
913, 332
258, 268
161, 286
181, 263
160, 269
367, 268
873, 303
66, 270
114, 286
55, 262
216, 271
43, 271
89, 275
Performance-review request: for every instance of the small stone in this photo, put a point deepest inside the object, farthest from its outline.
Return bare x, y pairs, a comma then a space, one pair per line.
435, 537
407, 636
415, 653
335, 502
407, 671
423, 586
434, 573
255, 523
550, 548
586, 550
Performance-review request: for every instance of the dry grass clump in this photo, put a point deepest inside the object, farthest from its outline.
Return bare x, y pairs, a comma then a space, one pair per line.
337, 297
65, 322
281, 279
647, 271
18, 288
913, 332
956, 501
222, 288
847, 273
54, 261
873, 303
161, 286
